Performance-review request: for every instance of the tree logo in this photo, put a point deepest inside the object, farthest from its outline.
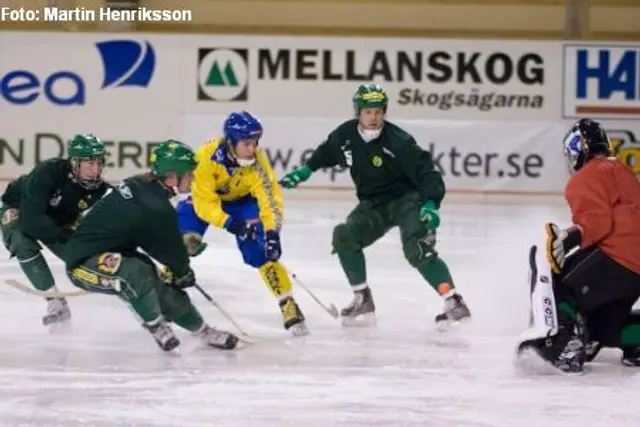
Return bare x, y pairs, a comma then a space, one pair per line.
223, 74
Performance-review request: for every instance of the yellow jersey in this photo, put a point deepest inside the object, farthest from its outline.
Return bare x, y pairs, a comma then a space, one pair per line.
216, 182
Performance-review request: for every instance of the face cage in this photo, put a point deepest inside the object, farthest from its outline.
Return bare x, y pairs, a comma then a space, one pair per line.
232, 150
574, 161
89, 184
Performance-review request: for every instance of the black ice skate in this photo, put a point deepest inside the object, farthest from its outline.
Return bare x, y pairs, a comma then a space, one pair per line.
631, 357
163, 334
571, 340
361, 310
292, 318
591, 350
218, 339
58, 312
455, 309
572, 358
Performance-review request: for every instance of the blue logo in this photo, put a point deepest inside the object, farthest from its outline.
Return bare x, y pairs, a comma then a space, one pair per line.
125, 63
602, 81
22, 87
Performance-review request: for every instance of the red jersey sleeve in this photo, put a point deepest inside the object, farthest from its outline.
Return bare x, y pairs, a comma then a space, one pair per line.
590, 194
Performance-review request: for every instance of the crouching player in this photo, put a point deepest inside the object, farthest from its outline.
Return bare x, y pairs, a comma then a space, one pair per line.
105, 254
582, 301
235, 188
44, 206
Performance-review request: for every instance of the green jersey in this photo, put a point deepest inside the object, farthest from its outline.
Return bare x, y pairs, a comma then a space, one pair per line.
134, 215
49, 199
383, 169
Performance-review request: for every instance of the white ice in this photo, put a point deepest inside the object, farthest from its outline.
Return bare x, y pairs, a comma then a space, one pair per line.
403, 372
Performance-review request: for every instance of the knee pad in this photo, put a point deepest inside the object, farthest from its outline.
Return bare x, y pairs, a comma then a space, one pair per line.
343, 239
253, 254
416, 250
22, 246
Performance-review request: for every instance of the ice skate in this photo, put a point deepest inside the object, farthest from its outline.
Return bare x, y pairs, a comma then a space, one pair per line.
572, 358
58, 314
361, 310
455, 309
163, 334
591, 350
292, 318
631, 357
216, 338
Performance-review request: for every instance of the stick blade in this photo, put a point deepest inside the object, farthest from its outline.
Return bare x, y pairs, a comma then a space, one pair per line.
333, 311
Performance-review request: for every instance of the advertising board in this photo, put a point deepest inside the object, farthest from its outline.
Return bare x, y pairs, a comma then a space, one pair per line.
280, 76
472, 155
601, 80
129, 140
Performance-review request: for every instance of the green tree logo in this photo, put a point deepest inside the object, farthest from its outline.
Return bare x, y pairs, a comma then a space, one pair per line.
223, 75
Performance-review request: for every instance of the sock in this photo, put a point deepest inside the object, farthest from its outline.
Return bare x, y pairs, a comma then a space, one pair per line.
354, 266
630, 337
436, 273
191, 320
277, 280
176, 307
147, 307
38, 272
566, 308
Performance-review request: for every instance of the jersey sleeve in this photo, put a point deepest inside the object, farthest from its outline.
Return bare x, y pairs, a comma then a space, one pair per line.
37, 192
206, 202
590, 200
266, 191
327, 154
418, 166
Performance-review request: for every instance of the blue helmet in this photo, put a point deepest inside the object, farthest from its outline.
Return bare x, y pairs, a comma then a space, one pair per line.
240, 126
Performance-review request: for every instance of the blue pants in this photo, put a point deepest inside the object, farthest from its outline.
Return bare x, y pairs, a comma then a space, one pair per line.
244, 209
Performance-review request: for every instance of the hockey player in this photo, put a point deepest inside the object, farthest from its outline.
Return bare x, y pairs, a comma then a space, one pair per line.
587, 303
43, 207
235, 189
104, 254
397, 185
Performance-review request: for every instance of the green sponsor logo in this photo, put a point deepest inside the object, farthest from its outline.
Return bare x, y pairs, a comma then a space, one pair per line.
223, 74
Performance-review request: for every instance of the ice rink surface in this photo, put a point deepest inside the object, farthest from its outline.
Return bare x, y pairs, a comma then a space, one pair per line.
403, 372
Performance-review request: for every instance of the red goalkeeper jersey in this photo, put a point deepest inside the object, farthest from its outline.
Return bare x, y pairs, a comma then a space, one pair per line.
604, 197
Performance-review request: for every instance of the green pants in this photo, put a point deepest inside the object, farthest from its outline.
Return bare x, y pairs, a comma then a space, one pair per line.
134, 278
27, 250
368, 222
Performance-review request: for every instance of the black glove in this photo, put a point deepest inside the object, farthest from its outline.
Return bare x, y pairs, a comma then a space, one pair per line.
185, 281
272, 247
242, 229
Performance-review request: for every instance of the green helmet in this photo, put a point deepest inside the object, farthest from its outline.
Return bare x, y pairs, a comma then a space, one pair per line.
86, 146
370, 96
172, 156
